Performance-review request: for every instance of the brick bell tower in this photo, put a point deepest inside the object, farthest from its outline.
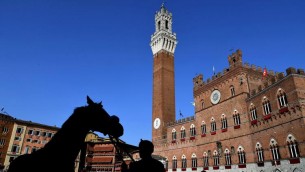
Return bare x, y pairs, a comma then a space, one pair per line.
163, 44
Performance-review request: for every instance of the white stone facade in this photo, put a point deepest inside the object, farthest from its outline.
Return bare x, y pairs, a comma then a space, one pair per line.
163, 38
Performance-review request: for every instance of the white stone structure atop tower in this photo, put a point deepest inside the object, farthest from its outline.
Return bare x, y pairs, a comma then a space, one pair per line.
163, 38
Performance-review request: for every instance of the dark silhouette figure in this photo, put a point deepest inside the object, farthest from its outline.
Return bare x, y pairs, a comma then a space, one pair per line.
147, 162
60, 153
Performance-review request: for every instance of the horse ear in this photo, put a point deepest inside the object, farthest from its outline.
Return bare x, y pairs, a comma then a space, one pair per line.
89, 101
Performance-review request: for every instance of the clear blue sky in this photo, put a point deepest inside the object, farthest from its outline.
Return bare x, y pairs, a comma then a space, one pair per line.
53, 53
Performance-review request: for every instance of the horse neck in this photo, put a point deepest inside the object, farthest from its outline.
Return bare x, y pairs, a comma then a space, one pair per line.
70, 138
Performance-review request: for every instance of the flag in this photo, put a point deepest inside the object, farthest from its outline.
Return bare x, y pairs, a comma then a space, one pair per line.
193, 103
265, 72
180, 113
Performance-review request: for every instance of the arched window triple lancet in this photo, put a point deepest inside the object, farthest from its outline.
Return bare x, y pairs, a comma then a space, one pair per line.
205, 159
293, 146
174, 164
203, 128
228, 157
194, 161
192, 130
259, 152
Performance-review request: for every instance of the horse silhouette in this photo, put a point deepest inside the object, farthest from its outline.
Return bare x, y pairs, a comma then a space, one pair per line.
60, 152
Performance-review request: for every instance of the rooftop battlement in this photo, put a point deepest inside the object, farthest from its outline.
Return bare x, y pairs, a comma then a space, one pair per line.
181, 121
235, 60
277, 77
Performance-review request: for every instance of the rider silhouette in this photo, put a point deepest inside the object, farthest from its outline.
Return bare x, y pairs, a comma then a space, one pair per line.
147, 163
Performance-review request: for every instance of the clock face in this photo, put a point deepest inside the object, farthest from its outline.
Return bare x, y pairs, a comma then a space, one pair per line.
215, 96
157, 123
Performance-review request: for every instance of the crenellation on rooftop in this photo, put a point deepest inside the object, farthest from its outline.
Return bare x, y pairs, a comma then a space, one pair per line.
181, 121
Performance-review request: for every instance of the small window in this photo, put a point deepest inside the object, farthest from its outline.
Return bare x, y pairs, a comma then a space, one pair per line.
205, 159
183, 134
159, 25
15, 148
194, 161
30, 132
293, 146
232, 91
216, 158
50, 135
274, 150
228, 157
236, 118
174, 163
193, 130
266, 106
203, 128
282, 98
213, 125
224, 122
29, 140
253, 112
19, 130
241, 155
43, 134
174, 134
36, 133
27, 150
17, 138
2, 142
166, 24
183, 162
259, 152
4, 130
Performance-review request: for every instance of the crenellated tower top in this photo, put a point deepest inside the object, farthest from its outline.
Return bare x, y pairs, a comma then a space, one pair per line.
235, 59
163, 37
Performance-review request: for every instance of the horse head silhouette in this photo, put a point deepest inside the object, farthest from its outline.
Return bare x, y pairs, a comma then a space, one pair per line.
60, 152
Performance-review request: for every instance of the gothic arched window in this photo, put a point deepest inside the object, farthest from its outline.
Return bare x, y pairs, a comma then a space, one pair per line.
224, 123
203, 128
174, 135
205, 160
228, 157
259, 152
241, 155
174, 165
293, 146
266, 106
236, 118
253, 112
213, 126
282, 98
193, 130
183, 162
182, 134
216, 158
194, 161
274, 148
232, 91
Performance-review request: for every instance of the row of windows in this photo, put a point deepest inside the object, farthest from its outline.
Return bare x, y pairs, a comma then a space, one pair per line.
224, 125
281, 98
282, 101
291, 143
39, 133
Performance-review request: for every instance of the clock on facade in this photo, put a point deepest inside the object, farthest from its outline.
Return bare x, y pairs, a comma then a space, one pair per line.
215, 96
157, 123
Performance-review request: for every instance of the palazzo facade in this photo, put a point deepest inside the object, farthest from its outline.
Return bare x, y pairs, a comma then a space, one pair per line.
246, 118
